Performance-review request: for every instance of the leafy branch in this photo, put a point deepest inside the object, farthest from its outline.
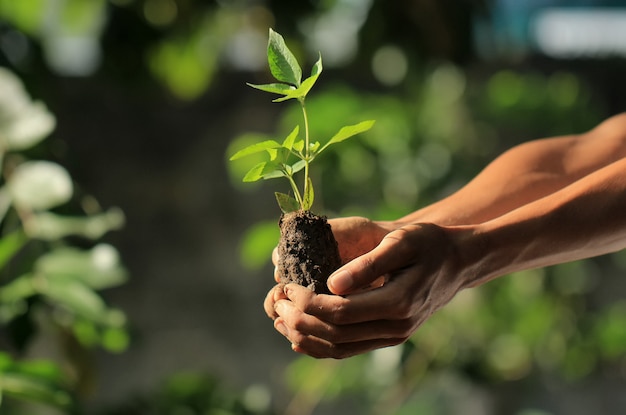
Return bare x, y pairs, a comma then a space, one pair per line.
295, 153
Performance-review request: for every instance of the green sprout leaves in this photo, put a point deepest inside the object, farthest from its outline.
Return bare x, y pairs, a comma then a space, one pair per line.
296, 152
283, 64
285, 69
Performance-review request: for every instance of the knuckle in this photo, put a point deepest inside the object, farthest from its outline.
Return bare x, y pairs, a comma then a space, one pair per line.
297, 338
339, 313
403, 308
332, 333
369, 266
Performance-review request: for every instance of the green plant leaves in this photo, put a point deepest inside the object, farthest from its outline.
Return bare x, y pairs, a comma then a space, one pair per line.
282, 62
265, 169
285, 68
287, 203
255, 148
347, 132
37, 380
9, 245
291, 138
282, 89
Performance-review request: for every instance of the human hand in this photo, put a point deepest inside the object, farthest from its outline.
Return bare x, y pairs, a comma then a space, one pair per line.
423, 269
354, 235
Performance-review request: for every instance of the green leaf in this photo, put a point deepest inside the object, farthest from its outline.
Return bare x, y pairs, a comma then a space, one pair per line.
9, 245
291, 138
274, 174
77, 298
264, 170
255, 173
347, 132
18, 289
115, 340
255, 148
301, 91
97, 268
283, 64
51, 226
298, 146
317, 67
309, 195
297, 166
287, 203
282, 89
31, 388
313, 147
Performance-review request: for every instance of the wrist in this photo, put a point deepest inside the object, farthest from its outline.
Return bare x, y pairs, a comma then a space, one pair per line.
469, 248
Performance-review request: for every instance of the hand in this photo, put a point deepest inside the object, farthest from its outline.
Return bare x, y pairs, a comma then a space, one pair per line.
422, 266
355, 236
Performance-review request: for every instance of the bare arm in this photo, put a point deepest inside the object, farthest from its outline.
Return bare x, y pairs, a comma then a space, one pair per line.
582, 220
528, 172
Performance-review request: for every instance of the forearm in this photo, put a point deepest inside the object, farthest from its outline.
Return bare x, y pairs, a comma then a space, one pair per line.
527, 173
584, 219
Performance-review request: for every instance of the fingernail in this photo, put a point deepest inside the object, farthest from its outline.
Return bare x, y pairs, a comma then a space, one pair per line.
287, 290
340, 282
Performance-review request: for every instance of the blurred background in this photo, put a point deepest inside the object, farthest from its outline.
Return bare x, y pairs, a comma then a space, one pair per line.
143, 101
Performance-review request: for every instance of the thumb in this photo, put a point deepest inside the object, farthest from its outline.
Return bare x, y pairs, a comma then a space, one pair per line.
362, 271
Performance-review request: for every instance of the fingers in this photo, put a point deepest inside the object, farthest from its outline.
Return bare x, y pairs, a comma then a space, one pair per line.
388, 303
275, 294
305, 325
309, 335
275, 262
392, 252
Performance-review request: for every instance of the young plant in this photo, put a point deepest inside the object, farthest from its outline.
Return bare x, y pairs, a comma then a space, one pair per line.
307, 250
295, 153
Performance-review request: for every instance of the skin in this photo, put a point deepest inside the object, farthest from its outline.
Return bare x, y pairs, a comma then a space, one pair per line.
541, 203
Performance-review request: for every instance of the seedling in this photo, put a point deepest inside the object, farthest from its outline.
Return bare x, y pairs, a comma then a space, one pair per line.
295, 153
308, 251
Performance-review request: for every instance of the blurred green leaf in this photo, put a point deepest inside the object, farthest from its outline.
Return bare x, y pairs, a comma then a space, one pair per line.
97, 268
9, 245
51, 226
34, 388
26, 15
18, 289
76, 297
115, 340
257, 244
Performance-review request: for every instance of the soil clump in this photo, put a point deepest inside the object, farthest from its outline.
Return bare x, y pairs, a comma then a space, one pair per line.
308, 251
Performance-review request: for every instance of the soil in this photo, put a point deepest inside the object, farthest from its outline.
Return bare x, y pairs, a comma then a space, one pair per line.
308, 252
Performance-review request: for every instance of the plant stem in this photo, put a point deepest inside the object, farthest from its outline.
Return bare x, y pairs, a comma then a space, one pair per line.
307, 153
294, 187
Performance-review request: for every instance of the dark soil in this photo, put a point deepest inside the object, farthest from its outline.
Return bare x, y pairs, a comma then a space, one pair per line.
307, 250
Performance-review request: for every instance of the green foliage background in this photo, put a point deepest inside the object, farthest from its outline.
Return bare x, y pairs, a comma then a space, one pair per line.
148, 122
